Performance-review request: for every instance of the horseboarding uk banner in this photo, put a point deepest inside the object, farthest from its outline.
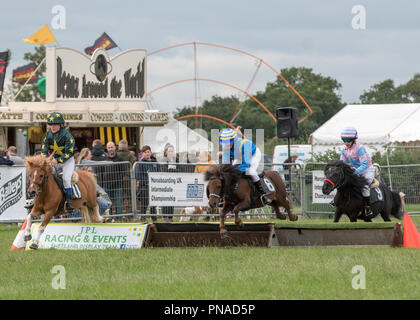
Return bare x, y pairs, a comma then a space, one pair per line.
177, 189
317, 182
90, 236
12, 193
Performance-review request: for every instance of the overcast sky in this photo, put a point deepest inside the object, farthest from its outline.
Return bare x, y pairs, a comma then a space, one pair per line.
314, 34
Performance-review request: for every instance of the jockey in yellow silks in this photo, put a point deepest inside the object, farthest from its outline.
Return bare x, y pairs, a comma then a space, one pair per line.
60, 141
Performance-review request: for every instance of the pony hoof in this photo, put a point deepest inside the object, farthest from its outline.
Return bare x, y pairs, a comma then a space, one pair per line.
282, 216
27, 238
293, 218
33, 246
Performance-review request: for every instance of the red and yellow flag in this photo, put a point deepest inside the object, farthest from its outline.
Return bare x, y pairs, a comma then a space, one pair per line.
42, 36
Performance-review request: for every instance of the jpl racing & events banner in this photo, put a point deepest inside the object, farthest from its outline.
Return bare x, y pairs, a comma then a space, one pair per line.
90, 236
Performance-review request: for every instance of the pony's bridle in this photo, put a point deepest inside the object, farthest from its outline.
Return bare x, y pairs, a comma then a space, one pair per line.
215, 194
44, 179
333, 184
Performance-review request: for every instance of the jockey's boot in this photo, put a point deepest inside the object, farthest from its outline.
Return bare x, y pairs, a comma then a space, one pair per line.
69, 206
367, 210
260, 188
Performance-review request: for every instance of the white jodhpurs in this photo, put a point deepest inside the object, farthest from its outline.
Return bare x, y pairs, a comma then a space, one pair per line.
254, 163
68, 168
368, 174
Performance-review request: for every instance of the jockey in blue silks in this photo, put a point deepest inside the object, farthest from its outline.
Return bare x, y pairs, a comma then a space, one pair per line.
356, 154
245, 155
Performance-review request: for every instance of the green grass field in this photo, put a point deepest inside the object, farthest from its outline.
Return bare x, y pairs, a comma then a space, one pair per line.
210, 273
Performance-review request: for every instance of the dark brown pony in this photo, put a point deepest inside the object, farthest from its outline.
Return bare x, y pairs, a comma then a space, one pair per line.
226, 181
48, 196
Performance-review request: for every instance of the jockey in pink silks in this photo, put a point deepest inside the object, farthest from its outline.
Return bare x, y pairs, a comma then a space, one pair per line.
360, 160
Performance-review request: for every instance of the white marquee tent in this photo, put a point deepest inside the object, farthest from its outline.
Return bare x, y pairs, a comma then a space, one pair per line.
378, 125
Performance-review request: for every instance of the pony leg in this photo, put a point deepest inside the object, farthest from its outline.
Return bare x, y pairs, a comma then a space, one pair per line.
41, 229
28, 227
279, 215
85, 214
337, 214
222, 227
292, 216
238, 220
94, 214
35, 243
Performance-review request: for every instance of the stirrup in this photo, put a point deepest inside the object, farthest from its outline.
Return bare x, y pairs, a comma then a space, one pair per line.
368, 214
69, 206
265, 199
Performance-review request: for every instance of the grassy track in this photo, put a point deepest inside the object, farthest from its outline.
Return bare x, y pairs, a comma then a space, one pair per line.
209, 273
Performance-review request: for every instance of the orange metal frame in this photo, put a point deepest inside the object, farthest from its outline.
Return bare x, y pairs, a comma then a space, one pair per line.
230, 85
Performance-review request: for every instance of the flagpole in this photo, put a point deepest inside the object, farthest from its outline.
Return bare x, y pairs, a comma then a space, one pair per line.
43, 60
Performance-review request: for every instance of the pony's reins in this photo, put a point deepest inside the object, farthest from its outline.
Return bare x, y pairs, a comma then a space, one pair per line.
333, 184
328, 180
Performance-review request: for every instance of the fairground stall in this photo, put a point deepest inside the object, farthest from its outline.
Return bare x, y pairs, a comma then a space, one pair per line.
100, 97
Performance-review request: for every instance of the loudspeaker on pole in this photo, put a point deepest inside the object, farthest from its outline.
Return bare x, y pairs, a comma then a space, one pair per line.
287, 122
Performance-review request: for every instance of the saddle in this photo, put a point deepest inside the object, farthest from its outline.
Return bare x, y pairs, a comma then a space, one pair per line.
58, 177
374, 184
266, 184
376, 195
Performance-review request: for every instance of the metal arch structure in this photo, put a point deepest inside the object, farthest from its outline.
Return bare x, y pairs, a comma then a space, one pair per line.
209, 117
219, 82
242, 52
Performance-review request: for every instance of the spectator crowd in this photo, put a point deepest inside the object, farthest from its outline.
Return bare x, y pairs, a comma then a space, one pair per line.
111, 166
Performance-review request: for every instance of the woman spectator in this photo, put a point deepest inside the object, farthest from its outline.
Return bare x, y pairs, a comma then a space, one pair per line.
171, 158
85, 154
204, 158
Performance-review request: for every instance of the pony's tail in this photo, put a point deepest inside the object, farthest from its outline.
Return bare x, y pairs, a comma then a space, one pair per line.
398, 208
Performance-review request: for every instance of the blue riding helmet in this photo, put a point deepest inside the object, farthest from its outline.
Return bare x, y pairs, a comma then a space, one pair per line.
227, 137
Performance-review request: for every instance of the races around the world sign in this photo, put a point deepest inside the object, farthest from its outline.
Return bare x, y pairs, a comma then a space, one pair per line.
317, 182
90, 236
12, 193
177, 189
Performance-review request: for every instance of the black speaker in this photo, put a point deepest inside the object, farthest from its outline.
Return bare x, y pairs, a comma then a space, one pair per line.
287, 122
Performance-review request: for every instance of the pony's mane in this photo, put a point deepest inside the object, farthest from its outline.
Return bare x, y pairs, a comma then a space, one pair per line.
351, 179
38, 161
226, 171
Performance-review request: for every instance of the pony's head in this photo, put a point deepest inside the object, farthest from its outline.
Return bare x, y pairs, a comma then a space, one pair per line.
215, 185
339, 174
220, 178
39, 168
335, 173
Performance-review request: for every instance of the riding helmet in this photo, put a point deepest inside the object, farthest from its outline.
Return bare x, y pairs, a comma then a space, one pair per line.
227, 137
349, 132
55, 118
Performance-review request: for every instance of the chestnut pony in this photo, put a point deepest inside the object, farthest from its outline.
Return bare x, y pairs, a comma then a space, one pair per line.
227, 182
48, 196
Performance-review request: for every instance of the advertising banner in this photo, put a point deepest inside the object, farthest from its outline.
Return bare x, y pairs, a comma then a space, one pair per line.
90, 236
177, 189
12, 193
317, 182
